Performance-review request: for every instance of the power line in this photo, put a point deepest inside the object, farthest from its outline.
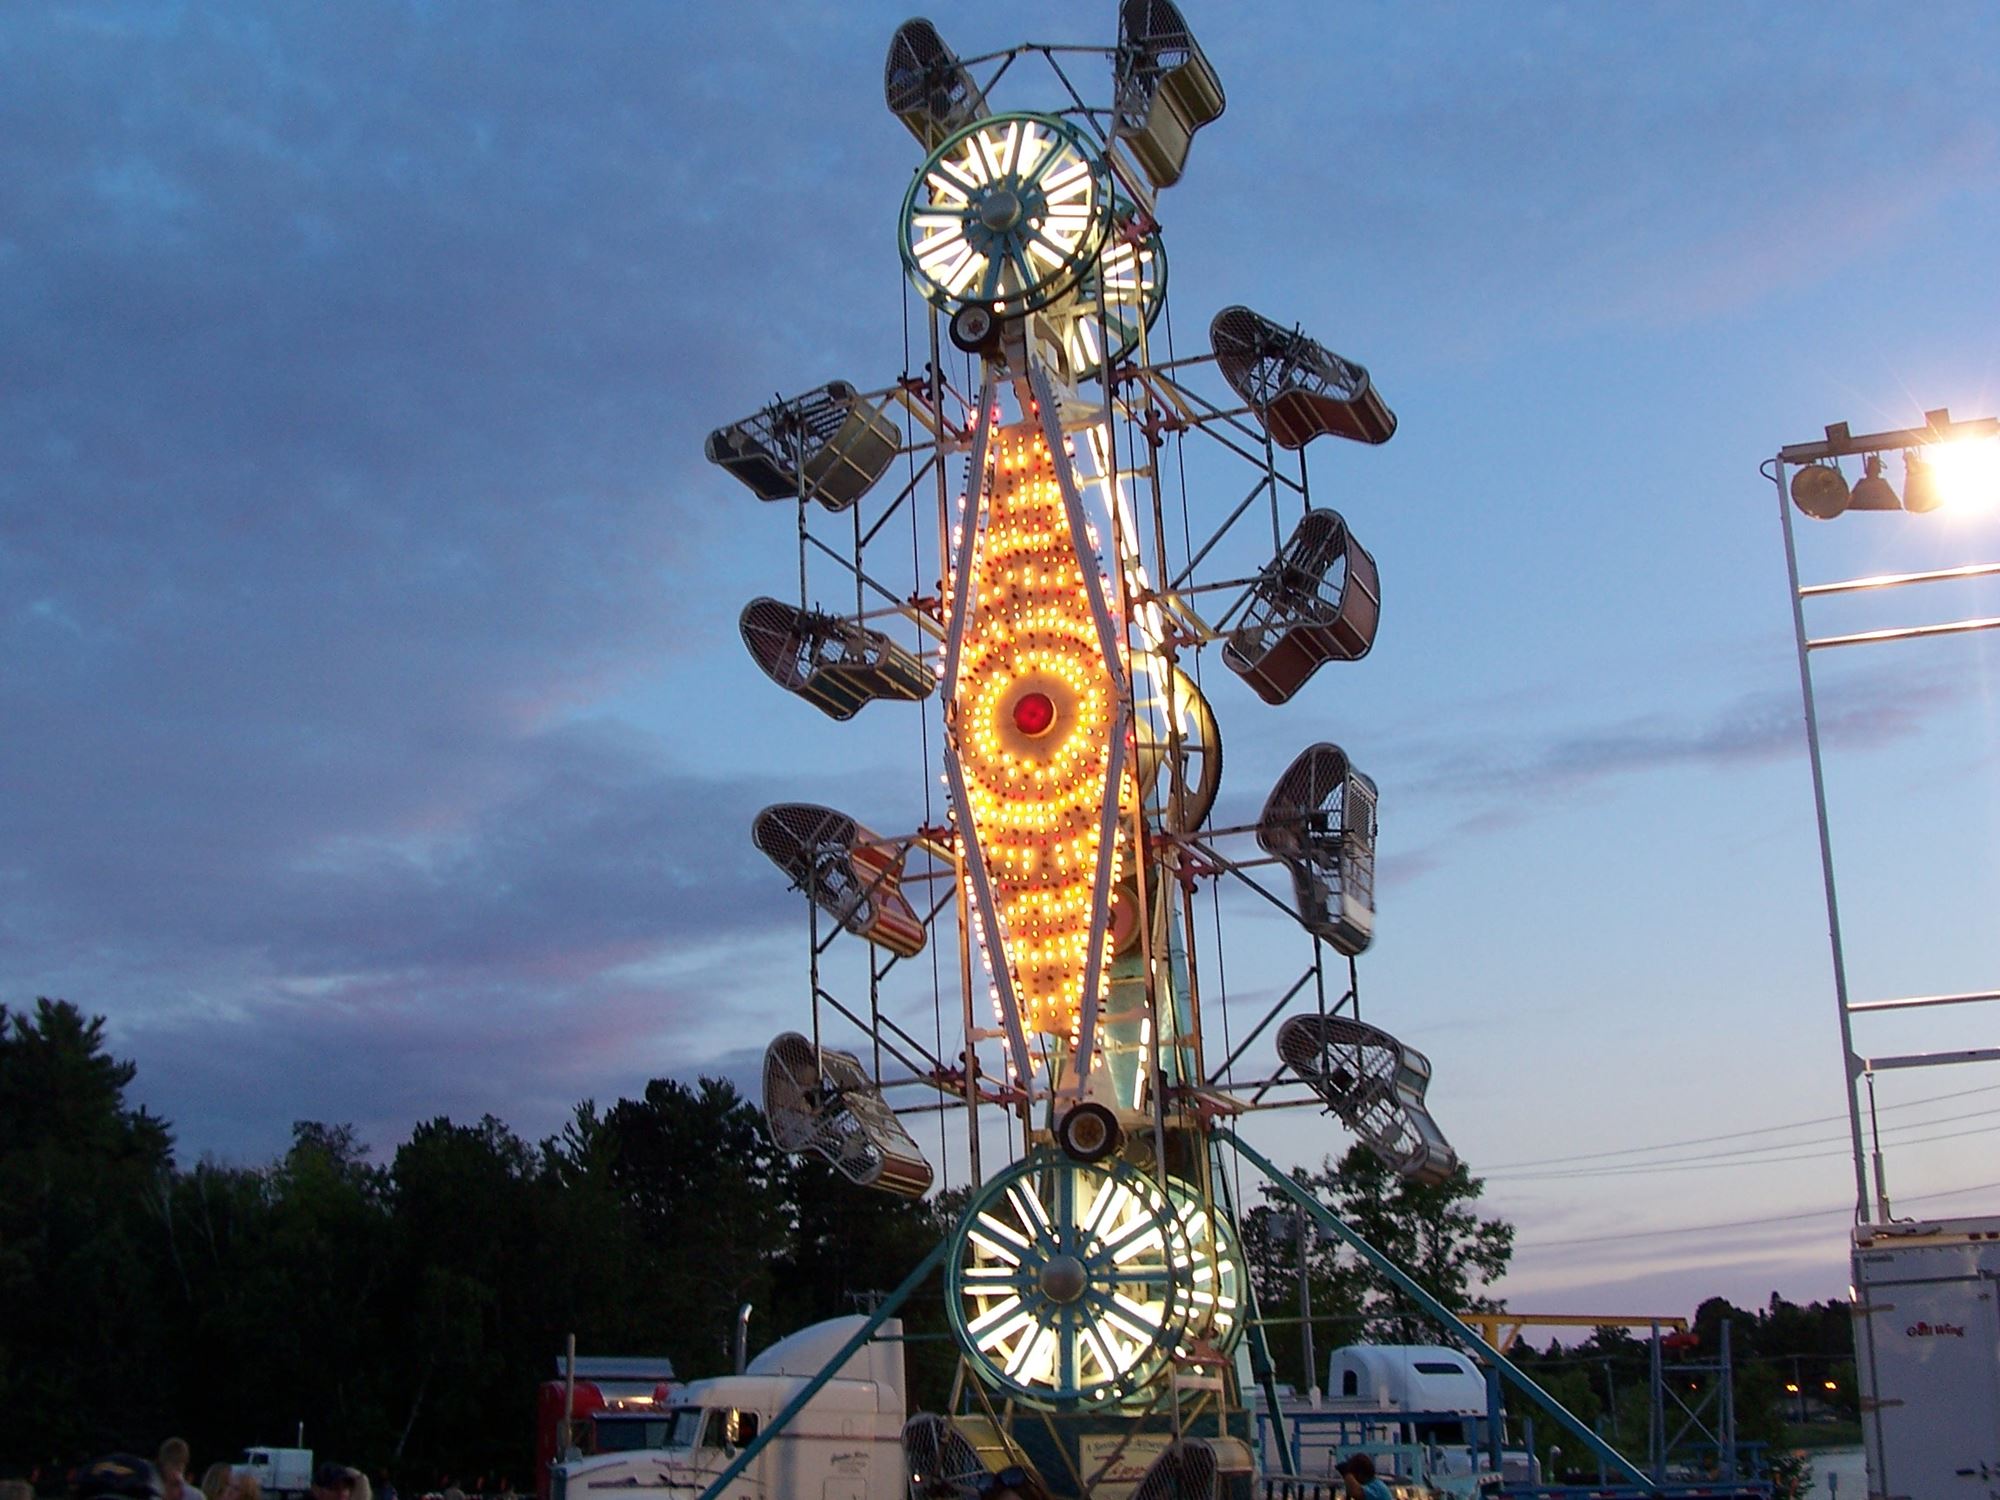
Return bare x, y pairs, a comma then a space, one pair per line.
1760, 1153
1732, 1135
1810, 1213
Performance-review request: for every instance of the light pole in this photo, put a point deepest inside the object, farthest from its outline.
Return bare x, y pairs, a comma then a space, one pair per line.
1942, 460
1304, 1241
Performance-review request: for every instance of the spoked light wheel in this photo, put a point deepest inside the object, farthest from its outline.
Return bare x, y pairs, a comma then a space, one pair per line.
1066, 1284
1115, 301
1175, 727
1216, 1275
1008, 213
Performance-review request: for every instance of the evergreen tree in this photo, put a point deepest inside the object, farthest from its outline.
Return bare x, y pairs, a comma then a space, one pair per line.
80, 1172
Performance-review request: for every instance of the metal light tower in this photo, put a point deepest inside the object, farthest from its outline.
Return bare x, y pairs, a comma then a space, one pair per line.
1945, 462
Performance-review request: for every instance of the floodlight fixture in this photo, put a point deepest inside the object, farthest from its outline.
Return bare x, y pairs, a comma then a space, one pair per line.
1820, 490
1874, 492
1920, 485
1944, 463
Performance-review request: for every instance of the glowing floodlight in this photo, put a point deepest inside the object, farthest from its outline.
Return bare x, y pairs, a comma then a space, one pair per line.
851, 874
823, 1101
1320, 820
1959, 475
1299, 390
828, 445
1007, 214
926, 86
1318, 601
1376, 1086
834, 664
1921, 493
1163, 86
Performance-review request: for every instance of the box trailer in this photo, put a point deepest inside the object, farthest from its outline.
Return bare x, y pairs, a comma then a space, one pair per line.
1927, 1353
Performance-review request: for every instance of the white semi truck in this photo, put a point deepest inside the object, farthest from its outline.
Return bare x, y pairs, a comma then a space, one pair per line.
1927, 1352
846, 1444
282, 1472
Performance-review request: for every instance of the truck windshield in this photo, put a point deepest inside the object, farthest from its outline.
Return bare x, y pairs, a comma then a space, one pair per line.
690, 1428
629, 1434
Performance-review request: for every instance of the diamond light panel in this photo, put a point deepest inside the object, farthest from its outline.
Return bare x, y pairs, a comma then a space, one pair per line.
1037, 734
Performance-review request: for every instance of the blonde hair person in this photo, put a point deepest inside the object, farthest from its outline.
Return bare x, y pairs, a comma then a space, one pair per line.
362, 1490
215, 1482
244, 1485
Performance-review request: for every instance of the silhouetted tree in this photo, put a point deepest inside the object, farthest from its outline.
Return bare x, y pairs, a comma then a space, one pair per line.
80, 1172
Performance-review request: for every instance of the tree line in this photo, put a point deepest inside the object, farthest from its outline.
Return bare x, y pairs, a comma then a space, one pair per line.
405, 1310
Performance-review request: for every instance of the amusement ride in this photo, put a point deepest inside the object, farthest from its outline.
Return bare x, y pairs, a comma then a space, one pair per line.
1001, 544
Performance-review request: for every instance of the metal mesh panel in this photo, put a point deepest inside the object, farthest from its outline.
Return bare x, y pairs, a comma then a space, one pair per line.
1375, 1085
837, 664
1261, 360
1320, 820
814, 845
827, 445
1153, 40
826, 1103
1318, 600
1186, 1470
925, 85
1298, 388
940, 1462
1163, 87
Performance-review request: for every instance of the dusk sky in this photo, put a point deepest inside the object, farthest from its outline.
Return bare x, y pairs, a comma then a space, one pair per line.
377, 739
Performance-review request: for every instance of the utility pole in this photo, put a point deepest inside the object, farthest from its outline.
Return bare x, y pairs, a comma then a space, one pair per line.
1303, 1240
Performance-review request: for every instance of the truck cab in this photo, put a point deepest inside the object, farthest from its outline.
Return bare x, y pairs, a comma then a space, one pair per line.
281, 1471
1418, 1409
844, 1445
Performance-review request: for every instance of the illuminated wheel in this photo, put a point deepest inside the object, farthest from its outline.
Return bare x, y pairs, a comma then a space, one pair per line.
1216, 1276
1132, 278
1174, 725
1066, 1283
1009, 213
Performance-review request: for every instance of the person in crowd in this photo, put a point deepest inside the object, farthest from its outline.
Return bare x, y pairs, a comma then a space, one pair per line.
215, 1481
1357, 1473
172, 1462
359, 1488
16, 1489
244, 1485
118, 1476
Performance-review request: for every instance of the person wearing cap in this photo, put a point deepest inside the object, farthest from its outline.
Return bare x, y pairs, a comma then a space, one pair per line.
1357, 1472
118, 1476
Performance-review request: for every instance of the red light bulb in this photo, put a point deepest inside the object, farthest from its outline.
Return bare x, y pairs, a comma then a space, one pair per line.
1034, 713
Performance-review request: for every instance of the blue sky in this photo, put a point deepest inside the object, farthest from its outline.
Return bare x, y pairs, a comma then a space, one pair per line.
378, 743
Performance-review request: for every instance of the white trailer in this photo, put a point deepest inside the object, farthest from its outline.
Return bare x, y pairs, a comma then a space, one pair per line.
1927, 1351
846, 1444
